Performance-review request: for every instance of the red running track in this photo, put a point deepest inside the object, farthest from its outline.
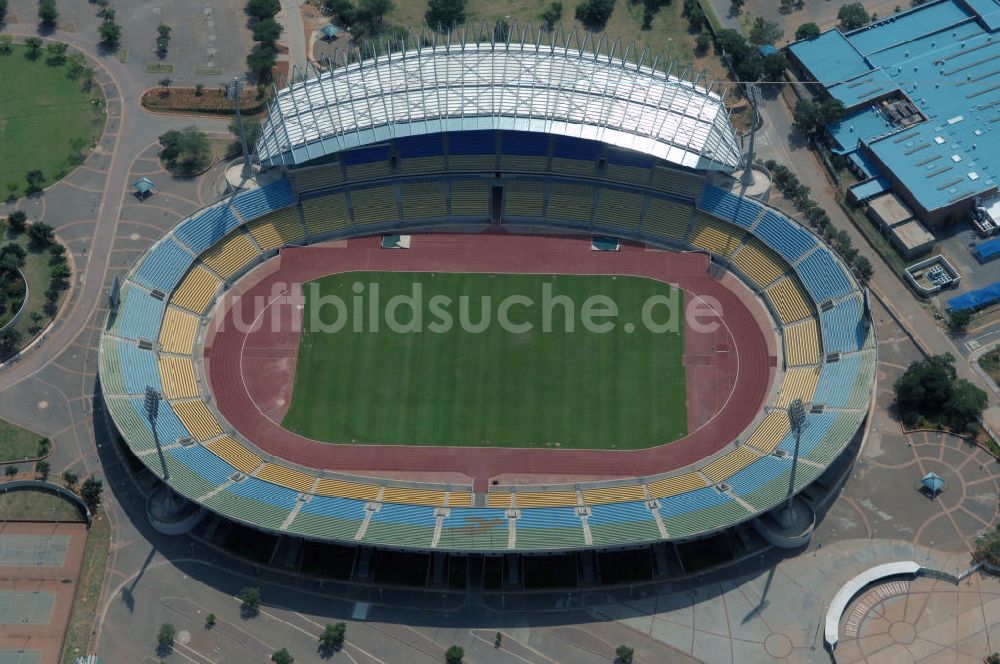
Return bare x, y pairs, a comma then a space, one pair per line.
250, 372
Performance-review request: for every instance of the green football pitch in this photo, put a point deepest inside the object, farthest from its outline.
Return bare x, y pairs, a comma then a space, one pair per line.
547, 387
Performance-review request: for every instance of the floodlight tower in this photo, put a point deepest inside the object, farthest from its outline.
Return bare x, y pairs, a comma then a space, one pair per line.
152, 403
234, 92
753, 95
796, 418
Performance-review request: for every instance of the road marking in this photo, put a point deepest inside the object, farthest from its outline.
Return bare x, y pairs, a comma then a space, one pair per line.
972, 345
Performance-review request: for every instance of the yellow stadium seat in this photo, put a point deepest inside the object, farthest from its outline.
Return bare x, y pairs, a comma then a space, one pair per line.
197, 290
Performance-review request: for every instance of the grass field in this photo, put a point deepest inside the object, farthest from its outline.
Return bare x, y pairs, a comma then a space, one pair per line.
32, 505
16, 443
494, 388
42, 113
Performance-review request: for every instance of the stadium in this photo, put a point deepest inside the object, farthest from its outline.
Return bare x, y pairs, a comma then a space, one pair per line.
484, 166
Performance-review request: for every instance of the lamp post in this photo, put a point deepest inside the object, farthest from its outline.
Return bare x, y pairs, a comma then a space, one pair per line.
796, 418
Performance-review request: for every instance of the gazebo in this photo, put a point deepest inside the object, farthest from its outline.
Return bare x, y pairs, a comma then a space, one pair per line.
933, 484
331, 31
143, 187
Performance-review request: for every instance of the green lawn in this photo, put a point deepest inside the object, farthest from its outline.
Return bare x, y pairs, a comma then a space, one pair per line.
42, 113
32, 505
494, 388
17, 443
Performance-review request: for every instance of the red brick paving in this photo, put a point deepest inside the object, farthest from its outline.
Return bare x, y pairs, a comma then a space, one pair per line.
728, 372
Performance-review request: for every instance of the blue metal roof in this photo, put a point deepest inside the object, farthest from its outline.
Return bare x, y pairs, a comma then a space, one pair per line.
941, 57
871, 188
977, 298
988, 11
987, 250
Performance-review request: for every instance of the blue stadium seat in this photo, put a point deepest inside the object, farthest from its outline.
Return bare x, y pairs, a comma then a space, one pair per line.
691, 501
139, 314
628, 158
139, 368
344, 508
737, 209
836, 381
757, 474
844, 326
412, 515
576, 148
258, 202
472, 142
169, 427
201, 232
366, 155
265, 492
163, 266
784, 236
618, 513
813, 431
549, 517
822, 275
524, 144
203, 462
428, 145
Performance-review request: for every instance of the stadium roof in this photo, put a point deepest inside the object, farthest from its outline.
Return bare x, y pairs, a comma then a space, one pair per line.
939, 56
538, 87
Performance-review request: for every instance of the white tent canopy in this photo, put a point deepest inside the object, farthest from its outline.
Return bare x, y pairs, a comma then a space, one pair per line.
514, 86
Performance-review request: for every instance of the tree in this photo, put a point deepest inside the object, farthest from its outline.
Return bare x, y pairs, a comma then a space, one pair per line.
41, 235
165, 83
110, 31
624, 654
282, 657
70, 478
185, 151
959, 319
261, 60
775, 65
853, 16
35, 180
811, 117
3, 11
445, 14
91, 492
42, 468
199, 89
17, 221
210, 621
165, 639
746, 60
9, 341
34, 45
12, 255
47, 13
55, 54
267, 30
332, 637
966, 404
790, 5
594, 14
694, 14
370, 14
261, 9
454, 655
11, 471
765, 32
44, 445
702, 42
552, 15
163, 39
736, 7
250, 601
807, 31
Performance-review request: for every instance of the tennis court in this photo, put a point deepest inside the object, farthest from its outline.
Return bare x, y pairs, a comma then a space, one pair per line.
40, 550
25, 608
20, 656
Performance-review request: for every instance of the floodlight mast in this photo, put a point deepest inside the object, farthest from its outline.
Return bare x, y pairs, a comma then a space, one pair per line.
753, 95
152, 404
235, 93
796, 418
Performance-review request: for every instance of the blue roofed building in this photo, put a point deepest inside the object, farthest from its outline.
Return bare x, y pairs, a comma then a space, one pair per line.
921, 91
